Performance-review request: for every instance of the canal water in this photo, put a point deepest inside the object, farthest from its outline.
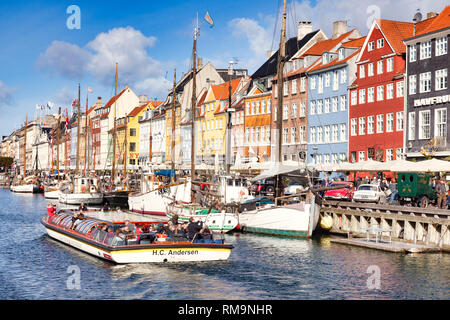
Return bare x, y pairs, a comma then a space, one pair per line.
33, 266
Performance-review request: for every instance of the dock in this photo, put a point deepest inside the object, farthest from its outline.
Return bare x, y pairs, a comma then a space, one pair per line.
393, 246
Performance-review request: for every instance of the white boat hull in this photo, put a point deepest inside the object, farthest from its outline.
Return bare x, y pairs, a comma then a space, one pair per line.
78, 198
149, 203
51, 194
25, 188
282, 221
163, 253
216, 221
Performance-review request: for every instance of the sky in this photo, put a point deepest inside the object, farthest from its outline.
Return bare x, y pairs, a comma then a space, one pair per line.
49, 47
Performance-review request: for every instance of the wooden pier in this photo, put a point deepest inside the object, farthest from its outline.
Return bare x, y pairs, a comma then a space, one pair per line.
399, 228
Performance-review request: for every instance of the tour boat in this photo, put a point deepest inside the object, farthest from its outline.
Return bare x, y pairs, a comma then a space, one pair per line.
298, 219
87, 236
83, 189
217, 221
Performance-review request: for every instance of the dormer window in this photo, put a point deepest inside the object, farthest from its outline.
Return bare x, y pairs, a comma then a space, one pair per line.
325, 58
341, 53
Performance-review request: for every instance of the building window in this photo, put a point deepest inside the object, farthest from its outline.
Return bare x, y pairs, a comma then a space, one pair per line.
294, 110
441, 79
327, 105
133, 132
319, 106
400, 89
362, 96
370, 69
247, 135
327, 79
302, 109
370, 124
285, 135
132, 146
247, 108
390, 64
412, 126
440, 121
302, 134
380, 93
343, 103
389, 154
362, 126
302, 84
263, 107
257, 108
353, 127
344, 75
313, 107
425, 50
424, 124
389, 122
335, 129
370, 94
380, 67
399, 153
354, 97
313, 135
362, 71
441, 46
371, 45
399, 123
268, 133
319, 135
412, 84
390, 91
286, 88
313, 83
320, 89
361, 156
412, 53
380, 43
293, 134
285, 112
380, 123
335, 80
425, 82
294, 86
334, 104
343, 129
327, 134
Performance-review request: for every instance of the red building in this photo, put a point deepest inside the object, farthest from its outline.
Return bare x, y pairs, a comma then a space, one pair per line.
376, 111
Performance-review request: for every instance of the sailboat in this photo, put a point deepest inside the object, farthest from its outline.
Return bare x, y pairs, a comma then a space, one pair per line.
82, 188
28, 184
299, 217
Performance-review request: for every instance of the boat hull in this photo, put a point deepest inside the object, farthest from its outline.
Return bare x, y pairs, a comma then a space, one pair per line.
216, 221
51, 194
152, 203
154, 253
78, 198
26, 188
281, 221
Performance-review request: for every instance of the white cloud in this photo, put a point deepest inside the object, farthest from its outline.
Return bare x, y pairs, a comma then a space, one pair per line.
64, 96
6, 94
126, 46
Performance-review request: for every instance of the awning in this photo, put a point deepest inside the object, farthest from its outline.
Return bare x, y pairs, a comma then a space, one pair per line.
279, 169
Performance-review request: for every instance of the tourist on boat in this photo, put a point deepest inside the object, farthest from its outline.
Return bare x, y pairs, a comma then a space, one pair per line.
193, 228
206, 233
138, 232
74, 219
80, 218
51, 211
82, 207
129, 227
106, 206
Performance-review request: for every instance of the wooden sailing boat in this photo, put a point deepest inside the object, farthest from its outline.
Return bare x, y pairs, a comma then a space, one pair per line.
83, 189
28, 184
299, 216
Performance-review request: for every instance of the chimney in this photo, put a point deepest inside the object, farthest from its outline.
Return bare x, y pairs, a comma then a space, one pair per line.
304, 27
431, 15
99, 103
199, 63
230, 69
143, 99
269, 53
339, 28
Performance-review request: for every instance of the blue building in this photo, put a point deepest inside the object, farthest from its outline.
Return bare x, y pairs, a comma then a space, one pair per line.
328, 102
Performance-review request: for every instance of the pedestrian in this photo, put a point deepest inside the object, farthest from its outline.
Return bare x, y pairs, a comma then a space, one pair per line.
441, 194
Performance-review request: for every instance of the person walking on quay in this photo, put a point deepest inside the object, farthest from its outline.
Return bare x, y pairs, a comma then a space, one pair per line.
441, 194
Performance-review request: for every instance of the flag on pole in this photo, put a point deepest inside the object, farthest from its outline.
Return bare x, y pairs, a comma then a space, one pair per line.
209, 19
38, 107
74, 102
90, 90
50, 105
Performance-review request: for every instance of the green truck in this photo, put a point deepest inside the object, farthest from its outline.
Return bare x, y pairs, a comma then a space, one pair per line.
415, 188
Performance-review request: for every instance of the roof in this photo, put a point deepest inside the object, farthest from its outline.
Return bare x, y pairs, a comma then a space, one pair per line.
110, 102
292, 46
436, 23
395, 32
326, 45
221, 90
334, 62
354, 43
137, 110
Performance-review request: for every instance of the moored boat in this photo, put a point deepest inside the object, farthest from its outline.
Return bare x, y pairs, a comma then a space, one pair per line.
89, 237
83, 189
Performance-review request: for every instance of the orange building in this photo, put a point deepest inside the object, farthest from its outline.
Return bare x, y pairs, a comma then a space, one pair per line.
257, 123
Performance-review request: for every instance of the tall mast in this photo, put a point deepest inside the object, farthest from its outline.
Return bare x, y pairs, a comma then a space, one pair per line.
280, 66
193, 109
113, 171
25, 148
85, 135
77, 165
125, 152
57, 142
173, 122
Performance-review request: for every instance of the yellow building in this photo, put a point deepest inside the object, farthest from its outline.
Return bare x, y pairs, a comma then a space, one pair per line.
212, 122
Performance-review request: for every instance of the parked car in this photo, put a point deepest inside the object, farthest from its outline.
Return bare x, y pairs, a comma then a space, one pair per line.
340, 194
263, 186
369, 193
293, 187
